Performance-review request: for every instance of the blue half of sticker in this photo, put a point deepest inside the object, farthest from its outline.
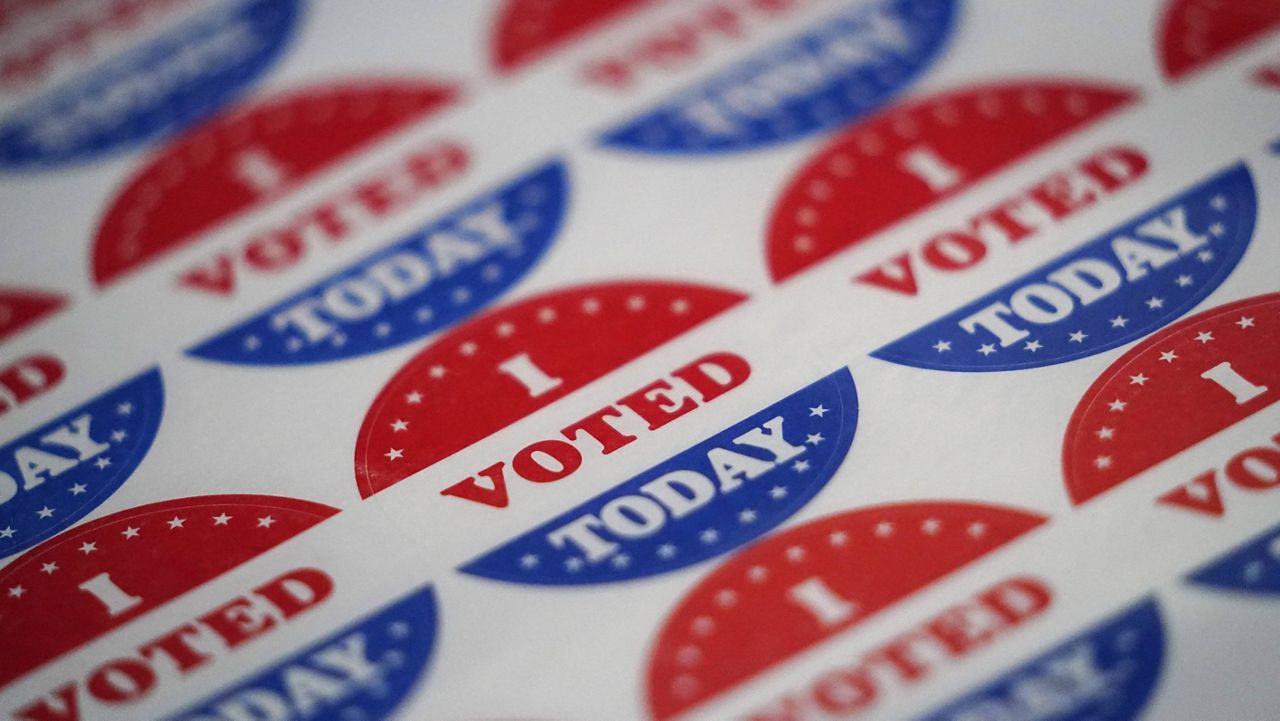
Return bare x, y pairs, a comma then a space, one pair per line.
169, 83
1107, 673
850, 66
363, 671
1252, 567
56, 474
1115, 289
707, 500
431, 280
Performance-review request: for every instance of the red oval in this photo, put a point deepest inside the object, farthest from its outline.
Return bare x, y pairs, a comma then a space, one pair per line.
861, 183
527, 29
453, 394
248, 157
1153, 402
146, 553
743, 618
1197, 32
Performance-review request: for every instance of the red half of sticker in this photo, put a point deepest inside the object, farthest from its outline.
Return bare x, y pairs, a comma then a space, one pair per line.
21, 308
897, 163
96, 577
1173, 390
526, 29
800, 587
499, 368
1197, 32
248, 157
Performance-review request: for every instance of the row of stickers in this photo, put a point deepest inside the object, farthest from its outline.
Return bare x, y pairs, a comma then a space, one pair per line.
484, 370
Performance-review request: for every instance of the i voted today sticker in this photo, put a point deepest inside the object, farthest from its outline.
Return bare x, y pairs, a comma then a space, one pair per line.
850, 64
1112, 290
160, 87
56, 474
421, 284
702, 502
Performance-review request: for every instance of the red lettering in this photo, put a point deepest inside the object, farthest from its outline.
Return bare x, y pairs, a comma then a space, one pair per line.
469, 489
237, 622
595, 426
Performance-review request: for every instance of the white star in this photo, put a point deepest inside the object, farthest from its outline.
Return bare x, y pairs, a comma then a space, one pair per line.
252, 342
1102, 462
795, 554
528, 561
423, 314
1105, 432
45, 512
977, 529
436, 371
293, 345
1033, 346
1153, 302
726, 598
265, 522
884, 529
102, 463
819, 411
1117, 405
16, 591
838, 538
7, 532
1138, 380
1184, 281
1119, 321
382, 330
468, 348
1168, 356
680, 306
505, 330
547, 314
1204, 337
130, 532
394, 453
118, 435
86, 548
573, 565
621, 561
338, 340
666, 551
709, 536
1218, 203
48, 568
221, 519
461, 295
635, 303
399, 425
1205, 256
1078, 336
942, 345
176, 522
747, 516
987, 349
413, 398
757, 574
814, 439
1245, 322
591, 306
1217, 229
931, 526
77, 489
124, 409
800, 466
778, 493
703, 625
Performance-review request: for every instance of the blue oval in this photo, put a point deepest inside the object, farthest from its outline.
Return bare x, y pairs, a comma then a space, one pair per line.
366, 670
55, 475
1159, 281
1251, 567
1106, 673
428, 281
761, 491
850, 66
164, 86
